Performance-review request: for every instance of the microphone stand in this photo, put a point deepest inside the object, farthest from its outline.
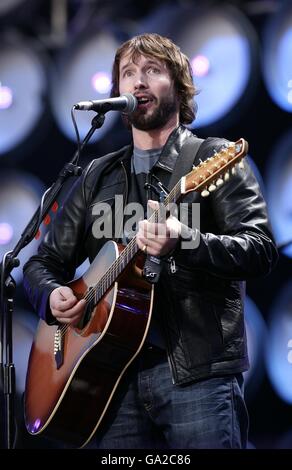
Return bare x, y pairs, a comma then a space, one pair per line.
8, 285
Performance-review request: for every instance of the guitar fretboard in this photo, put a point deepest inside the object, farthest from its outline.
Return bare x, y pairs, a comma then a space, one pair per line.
127, 255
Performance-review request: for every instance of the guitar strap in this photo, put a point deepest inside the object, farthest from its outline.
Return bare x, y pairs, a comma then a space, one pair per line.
185, 160
183, 165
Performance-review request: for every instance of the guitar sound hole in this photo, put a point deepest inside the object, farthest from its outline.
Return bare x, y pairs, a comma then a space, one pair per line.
87, 312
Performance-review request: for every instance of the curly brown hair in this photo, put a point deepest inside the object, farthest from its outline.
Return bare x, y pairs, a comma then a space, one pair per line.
164, 49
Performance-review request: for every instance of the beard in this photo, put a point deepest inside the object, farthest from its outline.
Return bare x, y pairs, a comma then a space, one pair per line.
157, 119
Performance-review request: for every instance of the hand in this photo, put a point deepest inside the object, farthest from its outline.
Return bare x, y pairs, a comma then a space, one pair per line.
159, 238
65, 307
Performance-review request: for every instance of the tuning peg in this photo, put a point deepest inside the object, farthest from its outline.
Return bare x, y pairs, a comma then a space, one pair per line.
205, 193
219, 182
241, 165
212, 188
233, 170
226, 176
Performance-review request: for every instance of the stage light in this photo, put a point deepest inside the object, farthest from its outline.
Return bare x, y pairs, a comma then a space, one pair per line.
6, 97
222, 47
277, 53
279, 345
200, 65
256, 333
101, 82
279, 189
20, 195
6, 233
23, 90
84, 73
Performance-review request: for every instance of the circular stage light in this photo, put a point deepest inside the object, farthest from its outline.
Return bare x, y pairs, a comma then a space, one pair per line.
23, 89
222, 47
84, 73
278, 350
279, 189
6, 97
277, 52
20, 195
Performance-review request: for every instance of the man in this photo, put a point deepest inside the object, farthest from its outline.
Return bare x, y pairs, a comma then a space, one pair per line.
185, 388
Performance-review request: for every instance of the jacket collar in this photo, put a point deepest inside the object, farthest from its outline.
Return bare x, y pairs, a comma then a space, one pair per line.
172, 148
170, 151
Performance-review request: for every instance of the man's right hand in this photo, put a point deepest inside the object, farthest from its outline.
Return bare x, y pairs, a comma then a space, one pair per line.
65, 307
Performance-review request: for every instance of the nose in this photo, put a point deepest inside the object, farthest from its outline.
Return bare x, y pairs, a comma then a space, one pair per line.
140, 81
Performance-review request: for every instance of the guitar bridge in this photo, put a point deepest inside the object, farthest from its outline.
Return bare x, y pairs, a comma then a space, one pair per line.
58, 347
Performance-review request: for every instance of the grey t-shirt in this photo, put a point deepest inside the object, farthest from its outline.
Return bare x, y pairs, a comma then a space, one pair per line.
144, 160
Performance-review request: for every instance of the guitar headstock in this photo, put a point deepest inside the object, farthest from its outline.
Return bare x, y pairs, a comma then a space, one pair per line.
212, 173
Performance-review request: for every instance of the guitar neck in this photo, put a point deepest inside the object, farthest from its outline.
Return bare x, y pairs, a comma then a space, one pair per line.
131, 249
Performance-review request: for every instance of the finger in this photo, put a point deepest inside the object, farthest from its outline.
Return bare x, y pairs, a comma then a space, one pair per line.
63, 305
174, 227
71, 312
152, 245
154, 205
78, 309
62, 298
65, 292
141, 244
154, 230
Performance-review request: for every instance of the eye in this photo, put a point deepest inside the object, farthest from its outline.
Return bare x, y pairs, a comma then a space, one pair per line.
128, 73
154, 69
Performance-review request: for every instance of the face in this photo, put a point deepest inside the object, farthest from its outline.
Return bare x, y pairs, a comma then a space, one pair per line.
150, 81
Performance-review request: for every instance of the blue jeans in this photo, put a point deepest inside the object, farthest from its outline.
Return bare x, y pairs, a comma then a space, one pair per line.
149, 412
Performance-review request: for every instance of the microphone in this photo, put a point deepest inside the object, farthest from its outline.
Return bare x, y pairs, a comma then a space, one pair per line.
126, 102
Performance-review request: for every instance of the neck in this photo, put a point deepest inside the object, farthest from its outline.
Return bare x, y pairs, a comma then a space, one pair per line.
155, 138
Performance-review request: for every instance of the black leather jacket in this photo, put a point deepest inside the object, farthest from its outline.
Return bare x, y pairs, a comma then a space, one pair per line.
200, 306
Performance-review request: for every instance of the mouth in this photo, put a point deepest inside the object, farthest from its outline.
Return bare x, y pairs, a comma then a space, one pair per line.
144, 102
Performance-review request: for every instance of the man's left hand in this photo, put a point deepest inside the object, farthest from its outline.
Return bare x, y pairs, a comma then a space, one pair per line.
158, 239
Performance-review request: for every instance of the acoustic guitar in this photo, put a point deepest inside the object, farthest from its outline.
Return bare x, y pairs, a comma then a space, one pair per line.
74, 371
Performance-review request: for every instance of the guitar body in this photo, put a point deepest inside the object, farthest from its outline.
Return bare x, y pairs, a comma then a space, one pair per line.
67, 400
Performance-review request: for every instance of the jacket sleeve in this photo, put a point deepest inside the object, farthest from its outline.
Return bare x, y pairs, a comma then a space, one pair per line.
242, 246
60, 252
